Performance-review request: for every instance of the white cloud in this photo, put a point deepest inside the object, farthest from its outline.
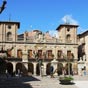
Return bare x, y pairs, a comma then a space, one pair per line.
53, 33
31, 26
69, 19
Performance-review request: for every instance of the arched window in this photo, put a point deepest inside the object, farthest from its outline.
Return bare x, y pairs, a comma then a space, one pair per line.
9, 36
59, 54
69, 54
49, 54
29, 53
68, 38
19, 53
68, 29
9, 53
40, 53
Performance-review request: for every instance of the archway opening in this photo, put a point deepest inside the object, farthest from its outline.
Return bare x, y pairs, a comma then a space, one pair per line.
21, 69
18, 68
48, 68
38, 69
68, 68
59, 68
2, 66
30, 68
9, 68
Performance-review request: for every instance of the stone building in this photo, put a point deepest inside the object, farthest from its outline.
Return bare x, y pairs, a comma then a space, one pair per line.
30, 51
83, 50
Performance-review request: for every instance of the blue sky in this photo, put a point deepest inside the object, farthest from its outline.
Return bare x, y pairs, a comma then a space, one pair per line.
46, 15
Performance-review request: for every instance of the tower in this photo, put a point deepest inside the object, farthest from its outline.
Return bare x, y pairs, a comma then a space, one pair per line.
8, 31
67, 33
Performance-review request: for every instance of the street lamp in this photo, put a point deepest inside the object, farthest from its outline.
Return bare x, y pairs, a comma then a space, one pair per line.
3, 6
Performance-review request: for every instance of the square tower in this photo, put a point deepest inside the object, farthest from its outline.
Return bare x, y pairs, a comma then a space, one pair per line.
67, 33
8, 31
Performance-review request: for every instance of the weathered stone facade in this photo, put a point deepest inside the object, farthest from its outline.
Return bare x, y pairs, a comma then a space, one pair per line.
21, 49
83, 50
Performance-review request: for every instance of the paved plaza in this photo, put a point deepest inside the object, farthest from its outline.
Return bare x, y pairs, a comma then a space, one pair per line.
41, 82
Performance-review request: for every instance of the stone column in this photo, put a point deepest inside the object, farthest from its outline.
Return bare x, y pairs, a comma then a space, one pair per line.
75, 68
26, 65
44, 69
14, 66
34, 68
24, 56
64, 70
54, 64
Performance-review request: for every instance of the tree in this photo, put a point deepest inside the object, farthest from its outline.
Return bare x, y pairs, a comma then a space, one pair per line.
3, 6
68, 60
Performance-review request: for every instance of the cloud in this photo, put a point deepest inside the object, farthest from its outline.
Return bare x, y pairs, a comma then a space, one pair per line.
31, 26
53, 33
69, 19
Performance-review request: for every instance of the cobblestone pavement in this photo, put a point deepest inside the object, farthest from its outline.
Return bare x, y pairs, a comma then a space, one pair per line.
41, 82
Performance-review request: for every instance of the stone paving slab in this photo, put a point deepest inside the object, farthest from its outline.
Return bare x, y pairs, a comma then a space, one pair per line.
41, 82
82, 84
47, 82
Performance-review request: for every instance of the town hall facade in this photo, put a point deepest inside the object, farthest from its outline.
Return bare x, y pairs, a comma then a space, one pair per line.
29, 51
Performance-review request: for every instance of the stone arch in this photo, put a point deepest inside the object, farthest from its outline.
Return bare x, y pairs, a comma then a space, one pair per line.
18, 67
19, 53
37, 69
9, 68
31, 68
75, 69
9, 36
68, 37
48, 68
2, 65
68, 68
59, 68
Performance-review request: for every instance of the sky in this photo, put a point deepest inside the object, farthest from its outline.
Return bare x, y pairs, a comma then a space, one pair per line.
46, 15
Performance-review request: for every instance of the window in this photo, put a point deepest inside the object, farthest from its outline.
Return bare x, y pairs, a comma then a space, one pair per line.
9, 36
68, 38
83, 49
9, 26
29, 53
19, 53
68, 29
59, 54
50, 54
40, 54
69, 54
